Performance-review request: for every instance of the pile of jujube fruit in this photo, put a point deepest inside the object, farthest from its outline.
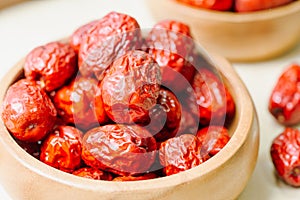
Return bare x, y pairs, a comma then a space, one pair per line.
284, 105
113, 103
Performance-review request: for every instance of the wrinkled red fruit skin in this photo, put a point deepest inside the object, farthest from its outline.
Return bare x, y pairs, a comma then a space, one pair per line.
284, 102
180, 153
171, 45
121, 149
213, 139
51, 65
111, 37
136, 178
80, 33
99, 106
93, 173
75, 103
216, 105
255, 5
165, 116
221, 5
285, 153
189, 123
27, 111
62, 148
130, 87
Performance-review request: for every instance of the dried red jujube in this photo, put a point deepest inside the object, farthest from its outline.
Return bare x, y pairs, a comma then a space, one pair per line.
216, 105
75, 103
51, 65
111, 37
180, 153
284, 102
213, 139
256, 5
62, 148
80, 33
121, 149
171, 45
130, 87
27, 111
285, 153
164, 116
221, 5
189, 123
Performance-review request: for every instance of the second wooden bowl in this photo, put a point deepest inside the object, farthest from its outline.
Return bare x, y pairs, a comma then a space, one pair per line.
249, 36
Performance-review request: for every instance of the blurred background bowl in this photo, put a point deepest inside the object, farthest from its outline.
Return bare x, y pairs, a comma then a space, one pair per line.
252, 36
224, 176
6, 3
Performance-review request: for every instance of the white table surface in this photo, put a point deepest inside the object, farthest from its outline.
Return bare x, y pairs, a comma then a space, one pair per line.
27, 25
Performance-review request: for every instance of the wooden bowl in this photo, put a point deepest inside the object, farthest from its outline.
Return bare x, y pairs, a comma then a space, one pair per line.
224, 176
6, 3
251, 36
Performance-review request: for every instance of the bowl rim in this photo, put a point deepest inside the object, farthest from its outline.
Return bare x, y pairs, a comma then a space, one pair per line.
244, 105
228, 16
